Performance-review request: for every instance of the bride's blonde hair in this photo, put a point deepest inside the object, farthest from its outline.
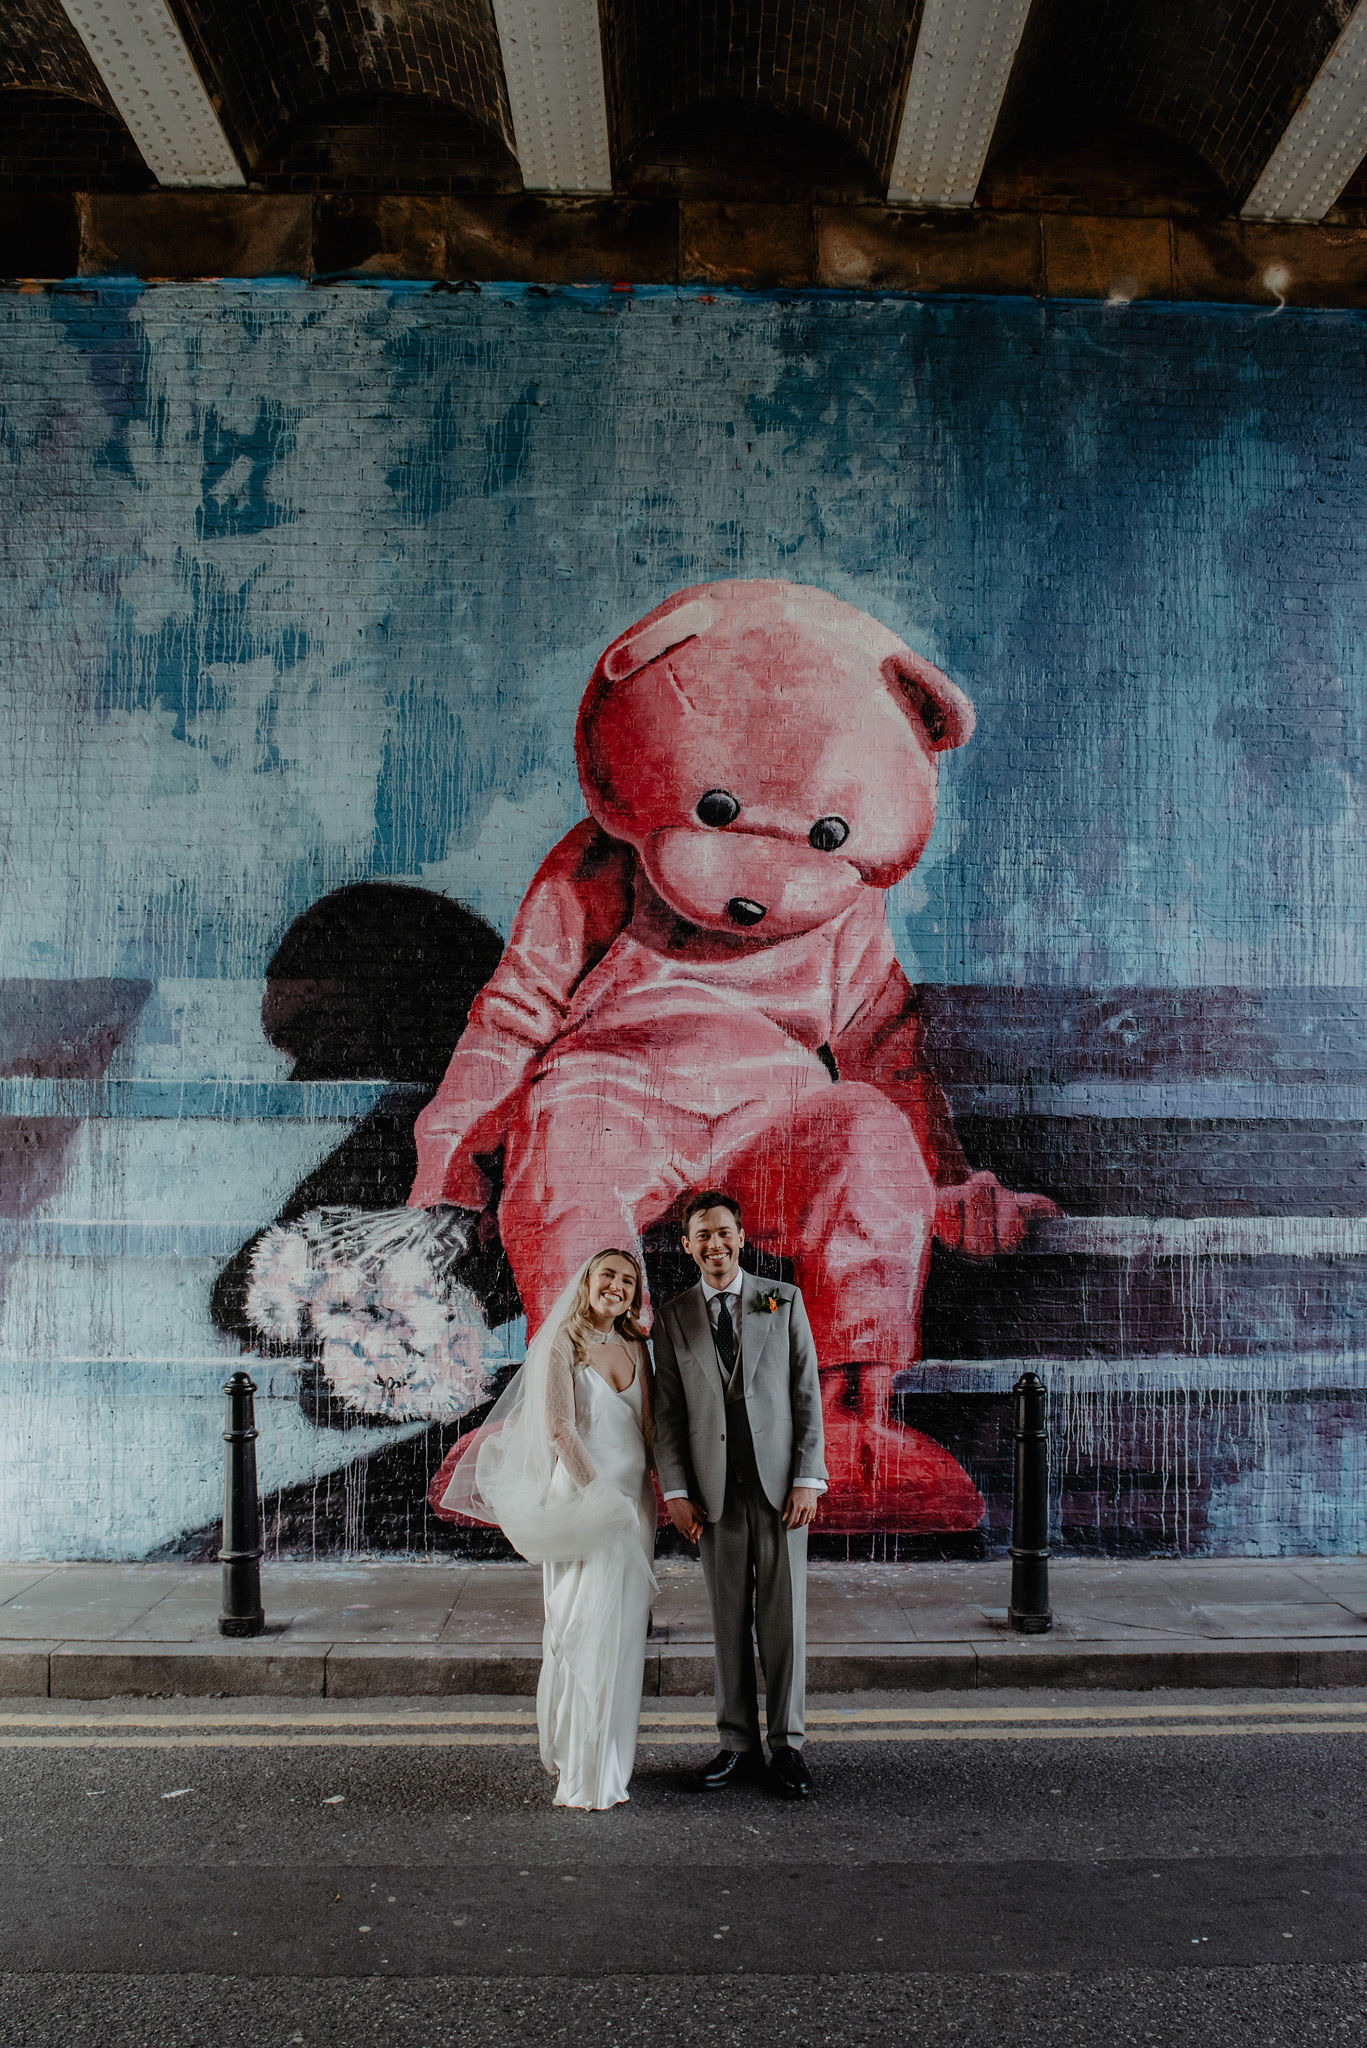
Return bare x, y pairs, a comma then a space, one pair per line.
579, 1322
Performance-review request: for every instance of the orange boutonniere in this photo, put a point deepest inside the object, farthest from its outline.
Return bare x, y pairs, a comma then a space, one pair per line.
769, 1302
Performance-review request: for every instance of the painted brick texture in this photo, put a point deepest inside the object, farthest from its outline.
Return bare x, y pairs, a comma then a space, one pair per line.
304, 587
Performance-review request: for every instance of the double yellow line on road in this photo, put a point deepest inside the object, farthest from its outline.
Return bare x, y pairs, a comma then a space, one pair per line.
662, 1727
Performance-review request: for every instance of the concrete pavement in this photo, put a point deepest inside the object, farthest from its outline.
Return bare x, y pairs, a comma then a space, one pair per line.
371, 1630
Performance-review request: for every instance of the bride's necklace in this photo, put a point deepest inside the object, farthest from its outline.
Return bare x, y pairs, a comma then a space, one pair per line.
604, 1336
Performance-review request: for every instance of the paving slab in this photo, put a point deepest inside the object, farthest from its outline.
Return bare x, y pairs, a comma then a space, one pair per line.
365, 1605
406, 1603
18, 1578
498, 1604
845, 1610
1108, 1582
1276, 1618
680, 1613
372, 1628
951, 1614
185, 1614
1341, 1579
92, 1602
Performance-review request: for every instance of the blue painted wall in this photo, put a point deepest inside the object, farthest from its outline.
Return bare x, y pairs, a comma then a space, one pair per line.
303, 586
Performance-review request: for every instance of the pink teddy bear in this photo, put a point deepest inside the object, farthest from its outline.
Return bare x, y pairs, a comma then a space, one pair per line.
701, 990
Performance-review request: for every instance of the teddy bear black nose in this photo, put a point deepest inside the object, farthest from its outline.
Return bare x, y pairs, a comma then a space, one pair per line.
741, 910
828, 833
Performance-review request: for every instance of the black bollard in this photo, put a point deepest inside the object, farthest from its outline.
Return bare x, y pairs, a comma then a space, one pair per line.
240, 1555
1029, 1611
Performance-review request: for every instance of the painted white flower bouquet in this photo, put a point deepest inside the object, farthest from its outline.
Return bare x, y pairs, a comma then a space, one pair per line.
400, 1339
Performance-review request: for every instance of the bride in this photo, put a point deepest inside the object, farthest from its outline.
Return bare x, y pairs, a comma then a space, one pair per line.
562, 1466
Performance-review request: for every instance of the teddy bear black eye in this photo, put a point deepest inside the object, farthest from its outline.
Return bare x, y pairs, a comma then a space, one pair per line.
718, 807
828, 833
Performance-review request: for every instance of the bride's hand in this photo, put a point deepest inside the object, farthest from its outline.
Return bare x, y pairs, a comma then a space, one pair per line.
686, 1518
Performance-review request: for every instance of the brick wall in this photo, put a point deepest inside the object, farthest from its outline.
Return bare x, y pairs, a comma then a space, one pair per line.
42, 51
843, 66
304, 587
274, 66
52, 143
1223, 80
58, 128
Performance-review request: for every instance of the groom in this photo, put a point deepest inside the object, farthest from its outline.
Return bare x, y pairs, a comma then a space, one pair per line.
739, 1452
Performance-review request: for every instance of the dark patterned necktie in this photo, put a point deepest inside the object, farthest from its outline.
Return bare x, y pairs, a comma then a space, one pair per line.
726, 1335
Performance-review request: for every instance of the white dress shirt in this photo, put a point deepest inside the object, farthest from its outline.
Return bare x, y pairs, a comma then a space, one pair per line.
711, 1296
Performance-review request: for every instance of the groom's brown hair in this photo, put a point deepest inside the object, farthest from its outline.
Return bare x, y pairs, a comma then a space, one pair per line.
711, 1198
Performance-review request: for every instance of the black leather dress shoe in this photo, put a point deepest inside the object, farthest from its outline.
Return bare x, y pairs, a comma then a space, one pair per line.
730, 1767
788, 1774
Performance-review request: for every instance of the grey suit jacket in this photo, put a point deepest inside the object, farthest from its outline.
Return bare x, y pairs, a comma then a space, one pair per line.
782, 1396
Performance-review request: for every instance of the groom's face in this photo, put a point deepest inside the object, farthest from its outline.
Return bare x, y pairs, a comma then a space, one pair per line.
713, 1241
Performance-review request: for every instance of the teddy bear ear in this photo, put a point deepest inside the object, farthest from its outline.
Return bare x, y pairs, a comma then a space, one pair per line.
656, 637
940, 707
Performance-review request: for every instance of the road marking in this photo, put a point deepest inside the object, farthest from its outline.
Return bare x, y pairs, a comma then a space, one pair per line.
690, 1736
833, 1719
279, 1718
1189, 1709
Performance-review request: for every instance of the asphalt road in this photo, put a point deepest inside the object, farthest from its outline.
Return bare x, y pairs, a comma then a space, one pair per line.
1004, 1869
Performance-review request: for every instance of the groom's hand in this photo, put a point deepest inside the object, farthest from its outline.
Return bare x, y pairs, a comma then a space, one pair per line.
981, 1217
686, 1518
799, 1510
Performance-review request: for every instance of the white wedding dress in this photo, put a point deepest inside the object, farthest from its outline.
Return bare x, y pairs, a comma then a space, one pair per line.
588, 1702
560, 1466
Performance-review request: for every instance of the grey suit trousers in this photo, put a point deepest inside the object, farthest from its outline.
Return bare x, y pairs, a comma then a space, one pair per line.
756, 1573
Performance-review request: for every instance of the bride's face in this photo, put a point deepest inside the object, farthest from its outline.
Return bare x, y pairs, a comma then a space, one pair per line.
612, 1289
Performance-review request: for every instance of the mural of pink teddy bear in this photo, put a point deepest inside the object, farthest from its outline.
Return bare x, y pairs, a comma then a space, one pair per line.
701, 990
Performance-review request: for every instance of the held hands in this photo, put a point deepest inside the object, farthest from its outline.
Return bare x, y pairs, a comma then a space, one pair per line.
686, 1518
799, 1510
980, 1217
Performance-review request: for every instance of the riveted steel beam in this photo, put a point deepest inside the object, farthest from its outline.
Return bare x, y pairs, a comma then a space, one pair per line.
1325, 139
141, 55
553, 65
964, 53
